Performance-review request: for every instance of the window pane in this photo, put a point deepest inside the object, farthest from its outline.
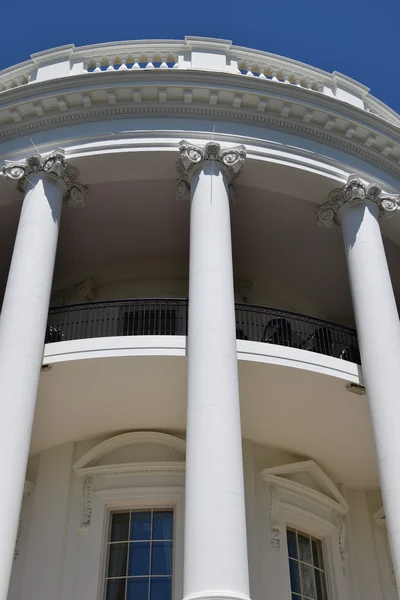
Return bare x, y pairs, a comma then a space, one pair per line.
304, 548
160, 588
162, 525
292, 543
138, 589
307, 581
140, 525
320, 585
317, 553
161, 561
294, 576
119, 527
117, 560
139, 558
115, 589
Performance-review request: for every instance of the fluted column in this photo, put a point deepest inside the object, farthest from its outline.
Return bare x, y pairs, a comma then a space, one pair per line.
358, 207
215, 563
45, 181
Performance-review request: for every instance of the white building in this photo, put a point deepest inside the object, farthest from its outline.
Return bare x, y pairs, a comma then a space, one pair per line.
171, 150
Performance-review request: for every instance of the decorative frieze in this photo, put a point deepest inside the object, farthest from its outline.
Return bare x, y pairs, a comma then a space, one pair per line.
245, 289
354, 192
191, 157
82, 292
53, 165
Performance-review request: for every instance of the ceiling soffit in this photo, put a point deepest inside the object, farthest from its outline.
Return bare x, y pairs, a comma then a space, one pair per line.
93, 97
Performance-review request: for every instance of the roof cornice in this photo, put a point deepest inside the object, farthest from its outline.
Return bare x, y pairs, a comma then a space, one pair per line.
44, 105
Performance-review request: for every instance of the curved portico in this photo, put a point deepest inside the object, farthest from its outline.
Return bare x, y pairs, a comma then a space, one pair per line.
201, 167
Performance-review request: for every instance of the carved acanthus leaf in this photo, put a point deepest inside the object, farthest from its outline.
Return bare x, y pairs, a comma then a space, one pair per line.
354, 192
53, 165
342, 541
86, 504
274, 517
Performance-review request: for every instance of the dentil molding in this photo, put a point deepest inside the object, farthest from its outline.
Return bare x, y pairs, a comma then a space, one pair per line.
54, 166
316, 116
356, 192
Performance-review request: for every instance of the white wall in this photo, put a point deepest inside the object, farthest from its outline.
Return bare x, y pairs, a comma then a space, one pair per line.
58, 562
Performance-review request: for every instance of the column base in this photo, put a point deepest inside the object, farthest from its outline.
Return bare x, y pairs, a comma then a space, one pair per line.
216, 595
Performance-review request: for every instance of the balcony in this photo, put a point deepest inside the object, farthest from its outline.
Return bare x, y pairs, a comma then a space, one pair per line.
155, 317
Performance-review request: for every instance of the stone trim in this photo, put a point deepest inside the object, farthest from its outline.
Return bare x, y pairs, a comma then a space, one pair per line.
326, 119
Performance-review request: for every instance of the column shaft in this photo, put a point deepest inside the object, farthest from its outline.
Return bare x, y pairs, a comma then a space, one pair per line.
22, 330
215, 528
378, 331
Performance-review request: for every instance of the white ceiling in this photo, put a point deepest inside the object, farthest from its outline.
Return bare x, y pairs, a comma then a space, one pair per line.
309, 414
134, 230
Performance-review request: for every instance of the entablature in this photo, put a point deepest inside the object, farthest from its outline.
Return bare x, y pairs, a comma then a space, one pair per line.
197, 78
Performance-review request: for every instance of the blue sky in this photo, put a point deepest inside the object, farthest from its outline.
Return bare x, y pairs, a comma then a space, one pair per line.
358, 38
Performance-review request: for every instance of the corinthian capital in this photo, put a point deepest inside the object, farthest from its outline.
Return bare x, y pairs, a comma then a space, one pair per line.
354, 192
191, 157
53, 165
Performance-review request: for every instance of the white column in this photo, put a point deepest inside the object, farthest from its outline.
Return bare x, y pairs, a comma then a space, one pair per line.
358, 208
215, 564
22, 330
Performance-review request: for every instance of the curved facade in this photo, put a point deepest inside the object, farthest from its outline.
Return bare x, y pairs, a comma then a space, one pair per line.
199, 424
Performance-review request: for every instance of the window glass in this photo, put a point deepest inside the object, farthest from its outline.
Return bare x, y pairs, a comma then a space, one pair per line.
139, 555
306, 566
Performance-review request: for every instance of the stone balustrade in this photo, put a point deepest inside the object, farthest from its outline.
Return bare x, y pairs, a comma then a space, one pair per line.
193, 53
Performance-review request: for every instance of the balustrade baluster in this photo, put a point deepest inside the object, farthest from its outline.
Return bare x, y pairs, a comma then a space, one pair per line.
136, 61
249, 67
164, 58
150, 59
262, 74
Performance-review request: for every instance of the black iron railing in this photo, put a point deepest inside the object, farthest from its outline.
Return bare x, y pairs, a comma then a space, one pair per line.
170, 317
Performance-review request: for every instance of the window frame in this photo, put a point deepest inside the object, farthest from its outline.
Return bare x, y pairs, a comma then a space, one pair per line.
321, 569
106, 542
92, 579
310, 522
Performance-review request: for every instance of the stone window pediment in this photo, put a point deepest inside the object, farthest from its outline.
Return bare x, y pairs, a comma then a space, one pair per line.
303, 497
135, 453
